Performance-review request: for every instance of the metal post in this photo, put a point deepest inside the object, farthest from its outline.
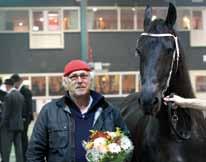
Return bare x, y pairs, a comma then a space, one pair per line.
84, 33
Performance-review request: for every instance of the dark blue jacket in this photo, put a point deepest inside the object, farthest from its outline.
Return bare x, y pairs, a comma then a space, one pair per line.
53, 137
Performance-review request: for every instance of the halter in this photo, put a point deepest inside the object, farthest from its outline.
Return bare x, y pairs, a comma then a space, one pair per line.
173, 118
176, 54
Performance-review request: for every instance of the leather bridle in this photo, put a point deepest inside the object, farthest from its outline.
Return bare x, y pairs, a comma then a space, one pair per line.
172, 113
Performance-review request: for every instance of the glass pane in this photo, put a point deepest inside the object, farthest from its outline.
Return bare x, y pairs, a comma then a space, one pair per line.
38, 86
200, 83
127, 18
55, 86
128, 84
54, 21
183, 19
197, 20
102, 19
71, 20
38, 21
11, 20
107, 84
140, 19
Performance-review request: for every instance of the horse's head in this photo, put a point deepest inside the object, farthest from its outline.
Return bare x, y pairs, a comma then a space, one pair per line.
159, 52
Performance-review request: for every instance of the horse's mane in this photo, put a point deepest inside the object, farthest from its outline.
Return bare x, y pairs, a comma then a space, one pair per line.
181, 85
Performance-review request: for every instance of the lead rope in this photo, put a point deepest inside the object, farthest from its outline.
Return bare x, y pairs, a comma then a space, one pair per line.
173, 118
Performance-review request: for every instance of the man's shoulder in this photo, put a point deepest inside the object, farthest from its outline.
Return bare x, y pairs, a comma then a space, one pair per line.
109, 107
52, 105
15, 94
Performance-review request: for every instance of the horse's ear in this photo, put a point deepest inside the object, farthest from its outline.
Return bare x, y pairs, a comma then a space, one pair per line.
171, 16
147, 17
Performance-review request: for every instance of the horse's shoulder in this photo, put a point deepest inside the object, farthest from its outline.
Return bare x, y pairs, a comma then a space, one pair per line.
130, 110
130, 100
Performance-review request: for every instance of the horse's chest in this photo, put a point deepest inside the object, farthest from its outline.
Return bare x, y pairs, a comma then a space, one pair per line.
186, 151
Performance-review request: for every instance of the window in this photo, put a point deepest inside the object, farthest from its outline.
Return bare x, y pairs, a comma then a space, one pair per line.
197, 20
46, 21
71, 20
54, 21
140, 19
127, 18
47, 29
14, 20
183, 19
38, 21
102, 19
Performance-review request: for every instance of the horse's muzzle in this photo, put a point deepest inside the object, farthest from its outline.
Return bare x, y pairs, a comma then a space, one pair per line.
150, 102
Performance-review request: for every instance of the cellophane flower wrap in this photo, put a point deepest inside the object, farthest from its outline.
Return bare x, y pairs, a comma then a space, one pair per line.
108, 146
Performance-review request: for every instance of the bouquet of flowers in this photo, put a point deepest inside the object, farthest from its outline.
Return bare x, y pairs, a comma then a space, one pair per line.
108, 146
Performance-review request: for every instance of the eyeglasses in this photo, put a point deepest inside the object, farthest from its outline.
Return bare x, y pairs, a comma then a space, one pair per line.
76, 76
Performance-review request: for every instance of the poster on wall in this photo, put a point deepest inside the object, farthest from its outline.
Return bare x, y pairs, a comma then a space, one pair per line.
200, 83
38, 84
55, 86
107, 84
128, 83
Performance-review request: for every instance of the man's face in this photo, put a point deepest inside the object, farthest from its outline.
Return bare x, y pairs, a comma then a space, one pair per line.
8, 87
78, 83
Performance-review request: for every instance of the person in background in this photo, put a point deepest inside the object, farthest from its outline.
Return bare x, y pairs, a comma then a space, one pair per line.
63, 124
2, 92
194, 103
12, 123
27, 114
2, 96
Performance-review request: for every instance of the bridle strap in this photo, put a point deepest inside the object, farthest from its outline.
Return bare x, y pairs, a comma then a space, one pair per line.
176, 54
173, 119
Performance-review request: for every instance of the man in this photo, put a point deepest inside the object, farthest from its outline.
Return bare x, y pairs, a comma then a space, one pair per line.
2, 96
12, 123
27, 114
63, 124
2, 92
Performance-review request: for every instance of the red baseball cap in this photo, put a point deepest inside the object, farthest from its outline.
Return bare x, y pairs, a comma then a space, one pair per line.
75, 65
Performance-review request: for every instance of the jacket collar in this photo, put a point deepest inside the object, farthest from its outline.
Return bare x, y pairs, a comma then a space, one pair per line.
97, 99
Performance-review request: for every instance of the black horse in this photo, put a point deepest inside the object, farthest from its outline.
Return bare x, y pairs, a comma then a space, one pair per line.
159, 132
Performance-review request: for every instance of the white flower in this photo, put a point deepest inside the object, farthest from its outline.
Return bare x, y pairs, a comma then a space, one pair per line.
112, 134
99, 142
126, 143
114, 148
